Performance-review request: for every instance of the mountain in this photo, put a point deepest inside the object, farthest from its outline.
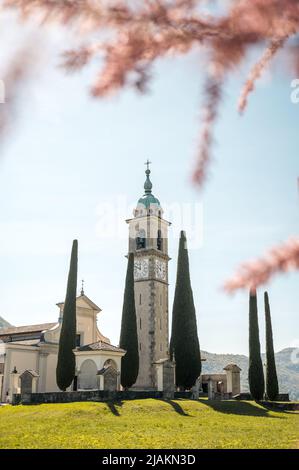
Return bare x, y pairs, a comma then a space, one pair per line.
4, 323
287, 363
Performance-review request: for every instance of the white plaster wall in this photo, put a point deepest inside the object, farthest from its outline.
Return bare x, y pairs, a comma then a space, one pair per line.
51, 385
22, 359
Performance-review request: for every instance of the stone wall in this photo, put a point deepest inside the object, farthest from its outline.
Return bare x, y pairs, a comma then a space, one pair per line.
91, 395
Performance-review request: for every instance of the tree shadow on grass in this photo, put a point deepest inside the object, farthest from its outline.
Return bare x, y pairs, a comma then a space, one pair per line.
176, 406
113, 407
239, 408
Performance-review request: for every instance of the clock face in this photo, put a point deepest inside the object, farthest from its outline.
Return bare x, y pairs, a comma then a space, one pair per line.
160, 270
141, 268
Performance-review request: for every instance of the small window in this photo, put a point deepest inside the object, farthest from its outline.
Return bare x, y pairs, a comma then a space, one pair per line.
140, 323
160, 346
161, 300
140, 301
141, 240
78, 340
159, 240
160, 323
139, 346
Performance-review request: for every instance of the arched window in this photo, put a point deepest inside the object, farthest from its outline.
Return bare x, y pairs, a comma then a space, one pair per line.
159, 241
141, 240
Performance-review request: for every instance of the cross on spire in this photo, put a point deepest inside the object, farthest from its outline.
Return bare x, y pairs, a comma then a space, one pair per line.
82, 287
148, 163
148, 184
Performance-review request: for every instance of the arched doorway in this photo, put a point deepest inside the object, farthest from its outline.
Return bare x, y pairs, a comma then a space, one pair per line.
88, 375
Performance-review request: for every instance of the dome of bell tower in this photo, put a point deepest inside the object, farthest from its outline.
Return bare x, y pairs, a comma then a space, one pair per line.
148, 204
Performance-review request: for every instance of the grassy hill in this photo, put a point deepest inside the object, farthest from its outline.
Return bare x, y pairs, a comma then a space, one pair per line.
288, 371
4, 323
148, 424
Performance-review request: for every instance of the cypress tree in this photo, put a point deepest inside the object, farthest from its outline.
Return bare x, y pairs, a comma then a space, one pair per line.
66, 364
128, 335
272, 389
255, 371
184, 344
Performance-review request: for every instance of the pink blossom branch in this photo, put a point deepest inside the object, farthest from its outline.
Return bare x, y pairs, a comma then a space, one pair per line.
250, 275
213, 95
258, 69
142, 31
14, 81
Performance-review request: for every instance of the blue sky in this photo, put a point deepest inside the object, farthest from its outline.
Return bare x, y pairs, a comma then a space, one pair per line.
69, 154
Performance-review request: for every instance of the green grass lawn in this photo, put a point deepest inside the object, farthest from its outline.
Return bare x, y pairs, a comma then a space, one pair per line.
148, 424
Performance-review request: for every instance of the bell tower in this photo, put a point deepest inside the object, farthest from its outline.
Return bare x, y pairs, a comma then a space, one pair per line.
148, 240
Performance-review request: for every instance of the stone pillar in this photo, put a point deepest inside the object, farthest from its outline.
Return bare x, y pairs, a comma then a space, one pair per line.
1, 385
221, 388
165, 377
118, 382
159, 371
101, 382
233, 379
168, 379
34, 384
211, 389
200, 383
195, 389
14, 383
42, 368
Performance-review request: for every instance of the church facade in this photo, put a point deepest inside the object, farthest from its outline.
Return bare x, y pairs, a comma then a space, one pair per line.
32, 350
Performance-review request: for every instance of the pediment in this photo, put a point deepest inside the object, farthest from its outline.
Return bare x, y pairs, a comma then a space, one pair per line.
84, 302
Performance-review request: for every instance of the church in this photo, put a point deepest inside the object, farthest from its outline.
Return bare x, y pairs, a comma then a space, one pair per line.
28, 354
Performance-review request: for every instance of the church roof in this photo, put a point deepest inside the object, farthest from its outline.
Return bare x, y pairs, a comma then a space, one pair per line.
148, 198
15, 330
100, 346
87, 300
232, 366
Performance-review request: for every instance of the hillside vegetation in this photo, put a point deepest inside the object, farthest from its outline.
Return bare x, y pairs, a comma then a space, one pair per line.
4, 323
